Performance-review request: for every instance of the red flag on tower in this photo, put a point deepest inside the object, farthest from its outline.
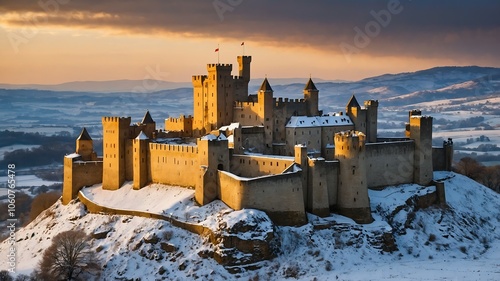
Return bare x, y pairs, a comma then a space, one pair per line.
217, 49
242, 43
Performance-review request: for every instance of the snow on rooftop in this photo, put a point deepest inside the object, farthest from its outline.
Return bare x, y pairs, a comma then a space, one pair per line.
73, 155
318, 121
212, 137
142, 136
230, 127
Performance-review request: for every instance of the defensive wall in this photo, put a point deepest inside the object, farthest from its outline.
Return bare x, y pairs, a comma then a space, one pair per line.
389, 163
78, 174
280, 196
169, 163
255, 166
442, 157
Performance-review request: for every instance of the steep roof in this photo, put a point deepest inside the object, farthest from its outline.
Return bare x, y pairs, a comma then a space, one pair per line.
265, 86
84, 135
310, 85
147, 118
353, 102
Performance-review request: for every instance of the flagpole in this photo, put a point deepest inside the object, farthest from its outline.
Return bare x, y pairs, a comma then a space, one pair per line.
218, 53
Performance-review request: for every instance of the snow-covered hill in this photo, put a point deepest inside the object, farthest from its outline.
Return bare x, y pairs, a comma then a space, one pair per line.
458, 242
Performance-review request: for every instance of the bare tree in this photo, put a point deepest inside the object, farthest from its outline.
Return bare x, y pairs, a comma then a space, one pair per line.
67, 257
469, 167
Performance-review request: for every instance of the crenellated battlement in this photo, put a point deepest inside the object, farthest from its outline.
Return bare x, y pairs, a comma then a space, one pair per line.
371, 103
349, 140
219, 67
287, 101
114, 119
180, 119
198, 80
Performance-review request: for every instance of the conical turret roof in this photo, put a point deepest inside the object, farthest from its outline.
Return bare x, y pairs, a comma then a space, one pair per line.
353, 102
84, 135
266, 87
147, 118
310, 85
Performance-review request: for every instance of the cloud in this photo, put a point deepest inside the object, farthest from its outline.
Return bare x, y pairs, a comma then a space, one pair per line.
425, 28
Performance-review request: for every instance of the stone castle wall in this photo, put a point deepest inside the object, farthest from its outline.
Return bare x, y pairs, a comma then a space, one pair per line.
171, 164
255, 166
78, 174
280, 196
389, 163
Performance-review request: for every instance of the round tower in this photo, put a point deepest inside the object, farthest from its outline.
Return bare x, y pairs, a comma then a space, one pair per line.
352, 200
140, 160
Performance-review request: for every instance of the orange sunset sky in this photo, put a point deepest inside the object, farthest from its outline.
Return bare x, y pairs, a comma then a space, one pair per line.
57, 41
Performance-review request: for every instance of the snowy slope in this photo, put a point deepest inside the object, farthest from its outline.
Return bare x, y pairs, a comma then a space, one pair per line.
461, 242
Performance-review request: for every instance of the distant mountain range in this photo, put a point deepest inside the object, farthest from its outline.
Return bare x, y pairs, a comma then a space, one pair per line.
136, 86
469, 88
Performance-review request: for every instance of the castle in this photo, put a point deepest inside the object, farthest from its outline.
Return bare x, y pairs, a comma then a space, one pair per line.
281, 156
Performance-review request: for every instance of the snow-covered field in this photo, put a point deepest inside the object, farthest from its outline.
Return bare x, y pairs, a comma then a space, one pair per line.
461, 242
11, 148
24, 181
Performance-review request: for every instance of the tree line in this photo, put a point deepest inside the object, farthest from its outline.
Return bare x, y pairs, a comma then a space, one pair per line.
486, 175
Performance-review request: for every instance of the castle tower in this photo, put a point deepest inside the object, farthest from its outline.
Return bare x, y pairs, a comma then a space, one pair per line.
244, 67
420, 130
266, 105
116, 131
241, 84
140, 159
311, 97
220, 96
300, 157
358, 116
371, 120
213, 155
200, 104
150, 125
352, 200
85, 146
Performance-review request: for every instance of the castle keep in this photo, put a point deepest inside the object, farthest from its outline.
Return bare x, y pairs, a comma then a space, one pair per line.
281, 156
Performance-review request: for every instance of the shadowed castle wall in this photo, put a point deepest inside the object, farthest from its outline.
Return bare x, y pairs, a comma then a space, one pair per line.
389, 163
280, 196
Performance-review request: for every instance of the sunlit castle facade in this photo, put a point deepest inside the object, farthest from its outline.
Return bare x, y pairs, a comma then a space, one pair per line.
278, 155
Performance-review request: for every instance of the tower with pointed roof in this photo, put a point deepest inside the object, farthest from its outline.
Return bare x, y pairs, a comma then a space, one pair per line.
357, 115
266, 106
311, 98
149, 125
85, 146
